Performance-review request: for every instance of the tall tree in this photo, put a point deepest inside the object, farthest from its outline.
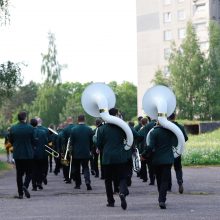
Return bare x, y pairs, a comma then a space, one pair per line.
161, 79
50, 66
10, 79
212, 71
187, 75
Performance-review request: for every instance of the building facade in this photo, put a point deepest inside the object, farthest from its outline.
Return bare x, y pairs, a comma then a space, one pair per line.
159, 23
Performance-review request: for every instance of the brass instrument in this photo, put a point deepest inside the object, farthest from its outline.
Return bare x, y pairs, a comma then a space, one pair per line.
51, 151
136, 160
65, 161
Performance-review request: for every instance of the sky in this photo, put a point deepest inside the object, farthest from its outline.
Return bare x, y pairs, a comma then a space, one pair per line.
96, 39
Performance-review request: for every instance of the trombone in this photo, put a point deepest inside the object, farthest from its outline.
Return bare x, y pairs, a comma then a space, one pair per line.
51, 151
64, 160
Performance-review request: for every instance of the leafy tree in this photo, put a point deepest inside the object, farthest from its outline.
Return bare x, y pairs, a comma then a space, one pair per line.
187, 75
212, 71
4, 12
10, 79
161, 79
50, 66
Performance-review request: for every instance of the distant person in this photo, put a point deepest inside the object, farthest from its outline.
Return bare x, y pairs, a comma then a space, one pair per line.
139, 125
22, 138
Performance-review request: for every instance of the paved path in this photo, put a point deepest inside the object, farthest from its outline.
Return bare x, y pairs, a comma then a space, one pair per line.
201, 199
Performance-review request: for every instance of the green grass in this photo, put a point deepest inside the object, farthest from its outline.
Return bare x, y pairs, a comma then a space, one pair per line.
203, 149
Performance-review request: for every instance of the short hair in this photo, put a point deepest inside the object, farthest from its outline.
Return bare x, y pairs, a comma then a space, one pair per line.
113, 111
139, 118
22, 116
81, 118
144, 121
131, 123
98, 121
33, 122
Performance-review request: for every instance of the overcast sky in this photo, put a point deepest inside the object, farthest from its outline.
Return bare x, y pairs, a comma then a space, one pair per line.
95, 38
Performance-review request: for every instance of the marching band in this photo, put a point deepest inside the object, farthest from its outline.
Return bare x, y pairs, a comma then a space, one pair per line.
113, 148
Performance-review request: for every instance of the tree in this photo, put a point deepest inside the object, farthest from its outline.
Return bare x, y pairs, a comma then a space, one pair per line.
10, 79
4, 12
212, 71
50, 66
160, 79
187, 75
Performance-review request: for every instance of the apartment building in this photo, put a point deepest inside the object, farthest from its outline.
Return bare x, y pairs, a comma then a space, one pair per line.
159, 23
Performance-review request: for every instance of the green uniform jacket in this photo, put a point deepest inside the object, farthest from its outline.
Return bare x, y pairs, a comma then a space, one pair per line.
41, 138
81, 141
22, 138
110, 139
161, 142
143, 133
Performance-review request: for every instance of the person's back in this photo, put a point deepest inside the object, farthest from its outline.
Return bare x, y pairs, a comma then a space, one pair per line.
81, 141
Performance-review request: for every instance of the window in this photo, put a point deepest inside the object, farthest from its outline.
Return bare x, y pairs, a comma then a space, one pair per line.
200, 26
181, 33
167, 35
199, 8
181, 15
167, 17
167, 2
167, 52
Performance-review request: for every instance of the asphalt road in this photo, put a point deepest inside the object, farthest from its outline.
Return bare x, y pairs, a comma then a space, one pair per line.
200, 200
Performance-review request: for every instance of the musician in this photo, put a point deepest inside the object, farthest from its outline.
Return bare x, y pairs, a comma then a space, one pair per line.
160, 145
81, 147
40, 155
45, 160
66, 135
147, 124
139, 125
95, 152
21, 137
177, 161
110, 139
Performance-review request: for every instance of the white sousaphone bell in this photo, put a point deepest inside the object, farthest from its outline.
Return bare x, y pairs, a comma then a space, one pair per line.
159, 102
97, 99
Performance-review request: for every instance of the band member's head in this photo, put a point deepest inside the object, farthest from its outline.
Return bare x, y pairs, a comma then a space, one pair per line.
39, 121
22, 116
98, 122
131, 124
69, 120
113, 111
139, 119
144, 121
81, 118
33, 122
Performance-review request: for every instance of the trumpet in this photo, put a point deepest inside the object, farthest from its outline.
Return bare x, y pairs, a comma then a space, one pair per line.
51, 151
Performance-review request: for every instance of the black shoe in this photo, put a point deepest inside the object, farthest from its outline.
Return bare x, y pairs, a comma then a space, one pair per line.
181, 189
55, 173
45, 181
77, 187
123, 201
88, 187
40, 187
144, 180
93, 172
68, 181
97, 176
110, 204
26, 192
162, 205
151, 184
34, 189
18, 197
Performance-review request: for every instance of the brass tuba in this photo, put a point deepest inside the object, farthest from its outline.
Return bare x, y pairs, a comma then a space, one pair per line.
159, 102
97, 99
